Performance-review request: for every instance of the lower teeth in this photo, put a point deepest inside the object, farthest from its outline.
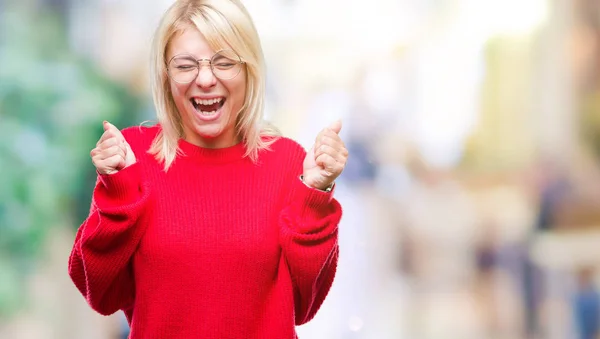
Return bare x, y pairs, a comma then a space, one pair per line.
208, 113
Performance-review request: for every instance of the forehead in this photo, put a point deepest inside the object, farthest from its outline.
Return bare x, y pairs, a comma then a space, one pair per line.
189, 41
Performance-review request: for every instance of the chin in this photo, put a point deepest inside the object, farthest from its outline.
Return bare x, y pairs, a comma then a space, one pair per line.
213, 133
208, 132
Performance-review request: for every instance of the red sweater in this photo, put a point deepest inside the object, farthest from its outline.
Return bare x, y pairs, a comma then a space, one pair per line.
216, 247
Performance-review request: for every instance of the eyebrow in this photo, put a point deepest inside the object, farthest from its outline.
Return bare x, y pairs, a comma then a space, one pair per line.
184, 56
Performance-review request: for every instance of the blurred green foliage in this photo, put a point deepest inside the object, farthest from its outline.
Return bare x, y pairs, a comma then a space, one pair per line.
52, 104
590, 121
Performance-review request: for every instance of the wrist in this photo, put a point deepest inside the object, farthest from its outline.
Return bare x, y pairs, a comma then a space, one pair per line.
327, 187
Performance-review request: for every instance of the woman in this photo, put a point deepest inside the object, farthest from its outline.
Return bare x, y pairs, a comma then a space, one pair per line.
209, 224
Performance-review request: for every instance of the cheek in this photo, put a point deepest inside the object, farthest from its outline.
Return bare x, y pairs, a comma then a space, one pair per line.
238, 91
177, 90
241, 95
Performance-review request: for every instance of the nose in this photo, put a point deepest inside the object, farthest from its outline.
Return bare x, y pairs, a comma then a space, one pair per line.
205, 78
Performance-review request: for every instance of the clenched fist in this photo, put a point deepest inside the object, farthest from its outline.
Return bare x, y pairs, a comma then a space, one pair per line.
112, 152
326, 159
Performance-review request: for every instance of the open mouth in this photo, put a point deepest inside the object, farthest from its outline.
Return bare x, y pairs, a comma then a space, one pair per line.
207, 106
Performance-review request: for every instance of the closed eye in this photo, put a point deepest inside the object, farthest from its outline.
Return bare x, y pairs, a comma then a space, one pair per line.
224, 65
185, 67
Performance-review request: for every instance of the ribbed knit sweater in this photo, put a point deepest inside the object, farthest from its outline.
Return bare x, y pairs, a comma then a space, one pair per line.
217, 247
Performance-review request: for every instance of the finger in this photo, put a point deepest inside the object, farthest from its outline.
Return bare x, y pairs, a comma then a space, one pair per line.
94, 152
115, 150
105, 136
110, 131
108, 126
326, 149
335, 142
107, 143
327, 162
112, 142
341, 152
331, 133
113, 162
114, 129
344, 154
329, 136
110, 165
111, 151
110, 134
116, 162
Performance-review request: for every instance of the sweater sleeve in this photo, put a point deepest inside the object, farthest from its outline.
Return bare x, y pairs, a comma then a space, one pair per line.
100, 261
309, 240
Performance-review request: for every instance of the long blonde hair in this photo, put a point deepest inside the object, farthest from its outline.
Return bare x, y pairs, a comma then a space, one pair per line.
224, 24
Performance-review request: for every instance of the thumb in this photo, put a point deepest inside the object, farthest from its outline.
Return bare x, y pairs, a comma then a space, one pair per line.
336, 126
108, 126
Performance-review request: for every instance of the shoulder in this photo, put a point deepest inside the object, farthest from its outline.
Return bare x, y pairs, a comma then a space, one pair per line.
284, 153
140, 137
284, 144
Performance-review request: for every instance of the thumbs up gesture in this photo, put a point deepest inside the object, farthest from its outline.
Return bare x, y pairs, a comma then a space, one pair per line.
326, 160
112, 152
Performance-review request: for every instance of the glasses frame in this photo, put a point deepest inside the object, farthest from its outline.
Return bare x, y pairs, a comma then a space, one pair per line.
200, 62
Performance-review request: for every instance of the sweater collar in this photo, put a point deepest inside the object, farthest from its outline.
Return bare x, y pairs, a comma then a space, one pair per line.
213, 155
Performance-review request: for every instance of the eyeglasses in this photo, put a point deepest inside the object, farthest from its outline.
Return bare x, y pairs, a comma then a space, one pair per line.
225, 65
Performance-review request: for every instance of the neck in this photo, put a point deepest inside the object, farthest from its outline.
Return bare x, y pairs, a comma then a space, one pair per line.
221, 141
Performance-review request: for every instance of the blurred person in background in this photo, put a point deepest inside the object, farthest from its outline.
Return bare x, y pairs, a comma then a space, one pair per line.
586, 305
552, 188
210, 224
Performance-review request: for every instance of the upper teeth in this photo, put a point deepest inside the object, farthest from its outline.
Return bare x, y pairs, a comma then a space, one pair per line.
207, 101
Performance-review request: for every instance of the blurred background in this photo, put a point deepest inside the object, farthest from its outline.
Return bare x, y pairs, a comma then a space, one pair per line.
472, 192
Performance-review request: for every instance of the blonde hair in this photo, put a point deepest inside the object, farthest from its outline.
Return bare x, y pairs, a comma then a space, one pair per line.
224, 24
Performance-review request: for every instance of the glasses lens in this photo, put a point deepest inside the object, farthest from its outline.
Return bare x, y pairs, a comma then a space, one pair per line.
226, 64
183, 69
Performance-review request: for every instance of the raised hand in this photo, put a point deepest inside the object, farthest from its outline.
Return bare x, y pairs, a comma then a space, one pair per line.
326, 160
112, 153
